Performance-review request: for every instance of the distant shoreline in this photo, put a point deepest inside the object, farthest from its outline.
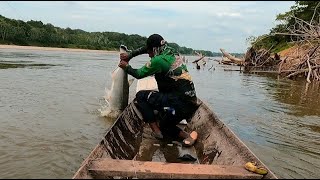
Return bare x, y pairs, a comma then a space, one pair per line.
3, 46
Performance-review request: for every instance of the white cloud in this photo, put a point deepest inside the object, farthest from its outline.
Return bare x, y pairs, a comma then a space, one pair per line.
226, 40
197, 24
79, 17
172, 25
224, 14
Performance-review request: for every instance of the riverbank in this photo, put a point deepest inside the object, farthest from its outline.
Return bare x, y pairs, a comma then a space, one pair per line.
2, 46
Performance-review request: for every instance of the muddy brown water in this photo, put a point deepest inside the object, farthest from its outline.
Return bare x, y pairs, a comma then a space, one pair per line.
50, 118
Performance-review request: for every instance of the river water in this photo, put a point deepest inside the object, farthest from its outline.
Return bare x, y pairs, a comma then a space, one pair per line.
50, 118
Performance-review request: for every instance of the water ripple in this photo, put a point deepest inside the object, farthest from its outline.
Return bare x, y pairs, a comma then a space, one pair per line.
50, 117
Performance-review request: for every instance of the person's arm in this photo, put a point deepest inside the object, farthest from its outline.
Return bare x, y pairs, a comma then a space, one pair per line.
139, 51
150, 68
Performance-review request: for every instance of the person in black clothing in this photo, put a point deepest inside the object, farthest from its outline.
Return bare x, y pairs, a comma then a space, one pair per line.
176, 99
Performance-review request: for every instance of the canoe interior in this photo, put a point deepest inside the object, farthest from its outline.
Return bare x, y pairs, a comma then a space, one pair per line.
130, 139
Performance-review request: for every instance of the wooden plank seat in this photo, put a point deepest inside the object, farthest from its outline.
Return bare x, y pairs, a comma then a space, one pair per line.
103, 168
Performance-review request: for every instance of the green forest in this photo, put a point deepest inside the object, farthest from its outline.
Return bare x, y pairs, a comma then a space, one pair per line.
36, 33
282, 35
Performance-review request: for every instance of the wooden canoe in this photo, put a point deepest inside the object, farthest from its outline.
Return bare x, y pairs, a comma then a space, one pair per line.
129, 151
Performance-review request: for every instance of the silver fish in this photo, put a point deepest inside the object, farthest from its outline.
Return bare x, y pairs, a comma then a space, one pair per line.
117, 97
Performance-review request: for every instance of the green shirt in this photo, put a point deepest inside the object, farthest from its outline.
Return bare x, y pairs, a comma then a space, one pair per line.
170, 73
161, 63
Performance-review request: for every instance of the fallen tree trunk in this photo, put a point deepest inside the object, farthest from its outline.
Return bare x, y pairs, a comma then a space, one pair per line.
232, 58
302, 71
196, 61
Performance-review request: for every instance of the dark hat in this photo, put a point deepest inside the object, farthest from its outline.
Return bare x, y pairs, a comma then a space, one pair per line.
154, 41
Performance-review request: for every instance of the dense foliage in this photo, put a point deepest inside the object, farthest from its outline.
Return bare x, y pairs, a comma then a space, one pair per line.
36, 33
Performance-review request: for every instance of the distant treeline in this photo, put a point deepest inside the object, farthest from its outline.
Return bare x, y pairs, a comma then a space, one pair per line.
35, 33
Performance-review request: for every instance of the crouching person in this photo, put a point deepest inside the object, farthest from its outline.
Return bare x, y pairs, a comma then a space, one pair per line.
176, 99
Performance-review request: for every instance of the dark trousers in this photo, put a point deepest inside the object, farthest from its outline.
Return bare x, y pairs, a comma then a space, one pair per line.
171, 110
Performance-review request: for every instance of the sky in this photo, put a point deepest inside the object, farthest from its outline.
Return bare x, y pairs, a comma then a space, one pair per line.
205, 25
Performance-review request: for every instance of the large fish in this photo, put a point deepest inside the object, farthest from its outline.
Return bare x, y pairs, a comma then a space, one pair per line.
117, 97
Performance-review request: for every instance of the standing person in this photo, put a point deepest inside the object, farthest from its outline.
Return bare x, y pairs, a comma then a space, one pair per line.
176, 99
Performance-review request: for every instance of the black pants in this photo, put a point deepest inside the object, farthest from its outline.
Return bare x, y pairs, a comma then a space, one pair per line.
171, 110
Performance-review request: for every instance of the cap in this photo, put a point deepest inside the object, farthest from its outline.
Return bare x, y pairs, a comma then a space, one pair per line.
154, 41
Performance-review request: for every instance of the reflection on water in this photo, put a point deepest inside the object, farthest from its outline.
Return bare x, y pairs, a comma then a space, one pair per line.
9, 59
289, 129
304, 97
7, 65
50, 119
296, 132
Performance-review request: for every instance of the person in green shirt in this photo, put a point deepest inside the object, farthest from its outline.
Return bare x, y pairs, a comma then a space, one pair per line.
176, 99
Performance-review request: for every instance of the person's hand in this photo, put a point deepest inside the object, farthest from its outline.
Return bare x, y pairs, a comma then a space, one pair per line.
124, 57
123, 64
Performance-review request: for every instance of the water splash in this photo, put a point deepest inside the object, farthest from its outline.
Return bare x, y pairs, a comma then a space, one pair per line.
105, 110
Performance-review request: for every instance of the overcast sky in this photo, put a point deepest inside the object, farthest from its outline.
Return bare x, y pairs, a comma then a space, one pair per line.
207, 25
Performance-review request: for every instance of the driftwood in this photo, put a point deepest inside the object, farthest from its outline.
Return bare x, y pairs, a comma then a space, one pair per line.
260, 59
197, 65
302, 71
232, 58
280, 66
197, 60
308, 62
226, 61
306, 34
210, 67
309, 67
305, 58
200, 61
200, 55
